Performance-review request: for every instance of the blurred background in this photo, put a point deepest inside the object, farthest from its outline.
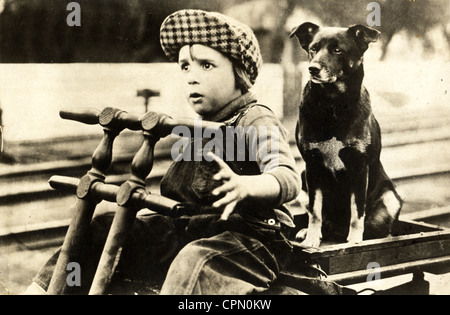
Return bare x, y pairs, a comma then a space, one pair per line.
128, 30
45, 61
46, 66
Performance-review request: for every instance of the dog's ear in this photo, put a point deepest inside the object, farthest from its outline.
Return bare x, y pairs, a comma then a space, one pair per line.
305, 34
363, 36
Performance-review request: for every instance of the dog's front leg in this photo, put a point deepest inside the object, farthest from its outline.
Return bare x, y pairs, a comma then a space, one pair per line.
358, 198
314, 231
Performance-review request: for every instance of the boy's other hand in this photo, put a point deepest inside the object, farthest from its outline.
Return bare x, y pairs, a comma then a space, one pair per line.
233, 186
263, 188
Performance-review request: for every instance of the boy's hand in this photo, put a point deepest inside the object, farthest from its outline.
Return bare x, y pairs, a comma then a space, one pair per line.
265, 188
234, 187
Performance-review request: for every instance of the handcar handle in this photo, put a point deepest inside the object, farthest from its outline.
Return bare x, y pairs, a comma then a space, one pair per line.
152, 121
108, 117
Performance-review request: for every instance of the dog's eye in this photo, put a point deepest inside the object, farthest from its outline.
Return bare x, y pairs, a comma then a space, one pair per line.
337, 51
312, 50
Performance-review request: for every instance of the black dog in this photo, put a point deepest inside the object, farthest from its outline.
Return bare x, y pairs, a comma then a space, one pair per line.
350, 196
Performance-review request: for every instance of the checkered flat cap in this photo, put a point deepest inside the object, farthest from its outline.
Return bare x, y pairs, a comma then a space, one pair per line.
212, 29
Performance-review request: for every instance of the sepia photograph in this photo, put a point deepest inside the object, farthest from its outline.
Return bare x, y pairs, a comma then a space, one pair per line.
234, 148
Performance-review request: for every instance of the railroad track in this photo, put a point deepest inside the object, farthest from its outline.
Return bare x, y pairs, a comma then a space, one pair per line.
34, 213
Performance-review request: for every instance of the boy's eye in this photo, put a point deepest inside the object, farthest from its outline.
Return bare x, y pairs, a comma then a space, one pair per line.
207, 66
184, 67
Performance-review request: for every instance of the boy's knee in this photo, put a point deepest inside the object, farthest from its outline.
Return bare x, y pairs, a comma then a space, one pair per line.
190, 254
183, 273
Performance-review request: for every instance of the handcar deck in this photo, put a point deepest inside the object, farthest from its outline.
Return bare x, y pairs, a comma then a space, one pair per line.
415, 247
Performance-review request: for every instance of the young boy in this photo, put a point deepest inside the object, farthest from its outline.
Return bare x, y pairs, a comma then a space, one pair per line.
236, 245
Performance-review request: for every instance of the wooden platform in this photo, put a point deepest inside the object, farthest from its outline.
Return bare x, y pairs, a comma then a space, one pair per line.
414, 248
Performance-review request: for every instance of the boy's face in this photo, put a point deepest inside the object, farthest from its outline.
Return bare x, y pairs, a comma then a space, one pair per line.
208, 79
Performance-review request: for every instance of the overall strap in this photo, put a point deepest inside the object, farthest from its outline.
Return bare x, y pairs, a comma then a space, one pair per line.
236, 118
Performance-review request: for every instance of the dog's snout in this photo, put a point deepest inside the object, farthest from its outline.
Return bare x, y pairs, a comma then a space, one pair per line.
314, 69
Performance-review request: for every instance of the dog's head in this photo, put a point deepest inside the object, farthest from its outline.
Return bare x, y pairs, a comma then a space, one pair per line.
334, 53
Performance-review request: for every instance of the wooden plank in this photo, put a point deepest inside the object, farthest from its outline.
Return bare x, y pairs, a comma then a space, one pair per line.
426, 242
372, 245
388, 256
435, 265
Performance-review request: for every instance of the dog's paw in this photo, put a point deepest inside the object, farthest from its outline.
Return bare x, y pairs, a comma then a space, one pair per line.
309, 238
301, 235
356, 231
308, 242
354, 238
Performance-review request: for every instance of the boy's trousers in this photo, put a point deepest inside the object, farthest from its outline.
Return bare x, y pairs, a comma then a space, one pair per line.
187, 256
